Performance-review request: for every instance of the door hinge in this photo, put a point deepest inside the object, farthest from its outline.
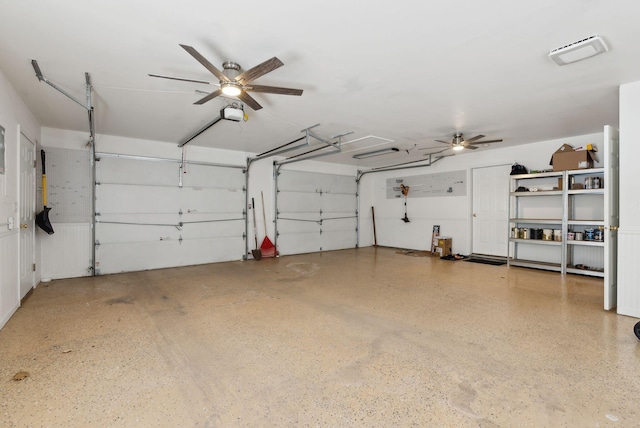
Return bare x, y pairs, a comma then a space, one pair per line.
33, 267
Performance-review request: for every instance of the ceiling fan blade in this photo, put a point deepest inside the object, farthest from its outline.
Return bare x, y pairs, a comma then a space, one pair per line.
202, 60
472, 147
181, 79
471, 140
248, 100
209, 97
259, 70
488, 141
273, 90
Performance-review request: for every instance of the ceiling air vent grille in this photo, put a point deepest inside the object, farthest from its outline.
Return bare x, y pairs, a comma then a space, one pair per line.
579, 50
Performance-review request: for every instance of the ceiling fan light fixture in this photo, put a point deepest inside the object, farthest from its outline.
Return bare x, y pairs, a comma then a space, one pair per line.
230, 89
457, 147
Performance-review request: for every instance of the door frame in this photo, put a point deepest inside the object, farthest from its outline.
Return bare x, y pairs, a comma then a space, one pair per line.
32, 224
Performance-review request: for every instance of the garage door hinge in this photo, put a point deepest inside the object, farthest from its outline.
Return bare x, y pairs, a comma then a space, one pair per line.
97, 183
180, 239
33, 267
97, 244
244, 235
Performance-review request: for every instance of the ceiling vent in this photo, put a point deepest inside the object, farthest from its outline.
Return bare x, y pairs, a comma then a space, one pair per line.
577, 51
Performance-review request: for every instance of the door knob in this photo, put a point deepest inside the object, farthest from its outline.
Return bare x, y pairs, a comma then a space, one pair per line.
614, 228
475, 215
23, 226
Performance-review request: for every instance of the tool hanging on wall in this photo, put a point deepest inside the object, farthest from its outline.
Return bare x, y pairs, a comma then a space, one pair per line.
42, 219
405, 192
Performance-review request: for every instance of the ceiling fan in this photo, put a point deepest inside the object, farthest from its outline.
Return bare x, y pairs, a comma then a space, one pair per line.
233, 82
459, 142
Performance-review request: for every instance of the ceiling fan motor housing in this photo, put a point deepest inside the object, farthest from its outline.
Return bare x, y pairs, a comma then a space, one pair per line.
230, 69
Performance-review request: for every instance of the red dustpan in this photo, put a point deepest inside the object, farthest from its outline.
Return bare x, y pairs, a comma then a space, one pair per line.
267, 248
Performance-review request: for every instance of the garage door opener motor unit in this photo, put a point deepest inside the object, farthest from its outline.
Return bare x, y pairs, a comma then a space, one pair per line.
232, 113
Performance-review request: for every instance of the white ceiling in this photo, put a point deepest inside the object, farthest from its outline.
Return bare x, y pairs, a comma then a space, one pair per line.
405, 71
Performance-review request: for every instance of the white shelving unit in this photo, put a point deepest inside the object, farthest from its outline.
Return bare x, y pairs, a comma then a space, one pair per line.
563, 201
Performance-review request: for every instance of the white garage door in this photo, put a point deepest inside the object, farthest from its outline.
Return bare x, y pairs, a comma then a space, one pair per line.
315, 212
150, 214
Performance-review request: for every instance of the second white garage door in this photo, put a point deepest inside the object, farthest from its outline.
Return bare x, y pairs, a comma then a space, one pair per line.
315, 212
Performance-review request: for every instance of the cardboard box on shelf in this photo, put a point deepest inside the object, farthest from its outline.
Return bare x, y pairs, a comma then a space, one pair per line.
442, 246
568, 158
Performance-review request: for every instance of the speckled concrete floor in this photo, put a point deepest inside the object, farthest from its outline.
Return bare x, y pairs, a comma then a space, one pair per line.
367, 337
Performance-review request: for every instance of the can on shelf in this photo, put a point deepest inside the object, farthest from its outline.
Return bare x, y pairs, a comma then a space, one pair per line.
535, 233
571, 236
557, 234
598, 235
589, 234
579, 236
525, 233
588, 182
515, 232
597, 182
547, 234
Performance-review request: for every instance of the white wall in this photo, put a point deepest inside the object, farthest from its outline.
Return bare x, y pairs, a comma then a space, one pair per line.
15, 118
629, 232
452, 213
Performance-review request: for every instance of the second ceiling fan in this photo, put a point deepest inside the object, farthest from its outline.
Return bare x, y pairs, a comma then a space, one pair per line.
233, 82
459, 142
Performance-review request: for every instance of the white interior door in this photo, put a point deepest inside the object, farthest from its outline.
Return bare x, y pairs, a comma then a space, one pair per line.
611, 216
490, 210
27, 214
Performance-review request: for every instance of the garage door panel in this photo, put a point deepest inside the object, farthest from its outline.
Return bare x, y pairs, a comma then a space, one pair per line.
211, 177
121, 198
114, 258
339, 203
346, 225
211, 200
299, 243
116, 232
301, 223
115, 170
296, 181
336, 241
302, 202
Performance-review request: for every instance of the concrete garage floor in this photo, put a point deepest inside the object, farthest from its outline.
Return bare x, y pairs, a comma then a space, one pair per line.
367, 337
